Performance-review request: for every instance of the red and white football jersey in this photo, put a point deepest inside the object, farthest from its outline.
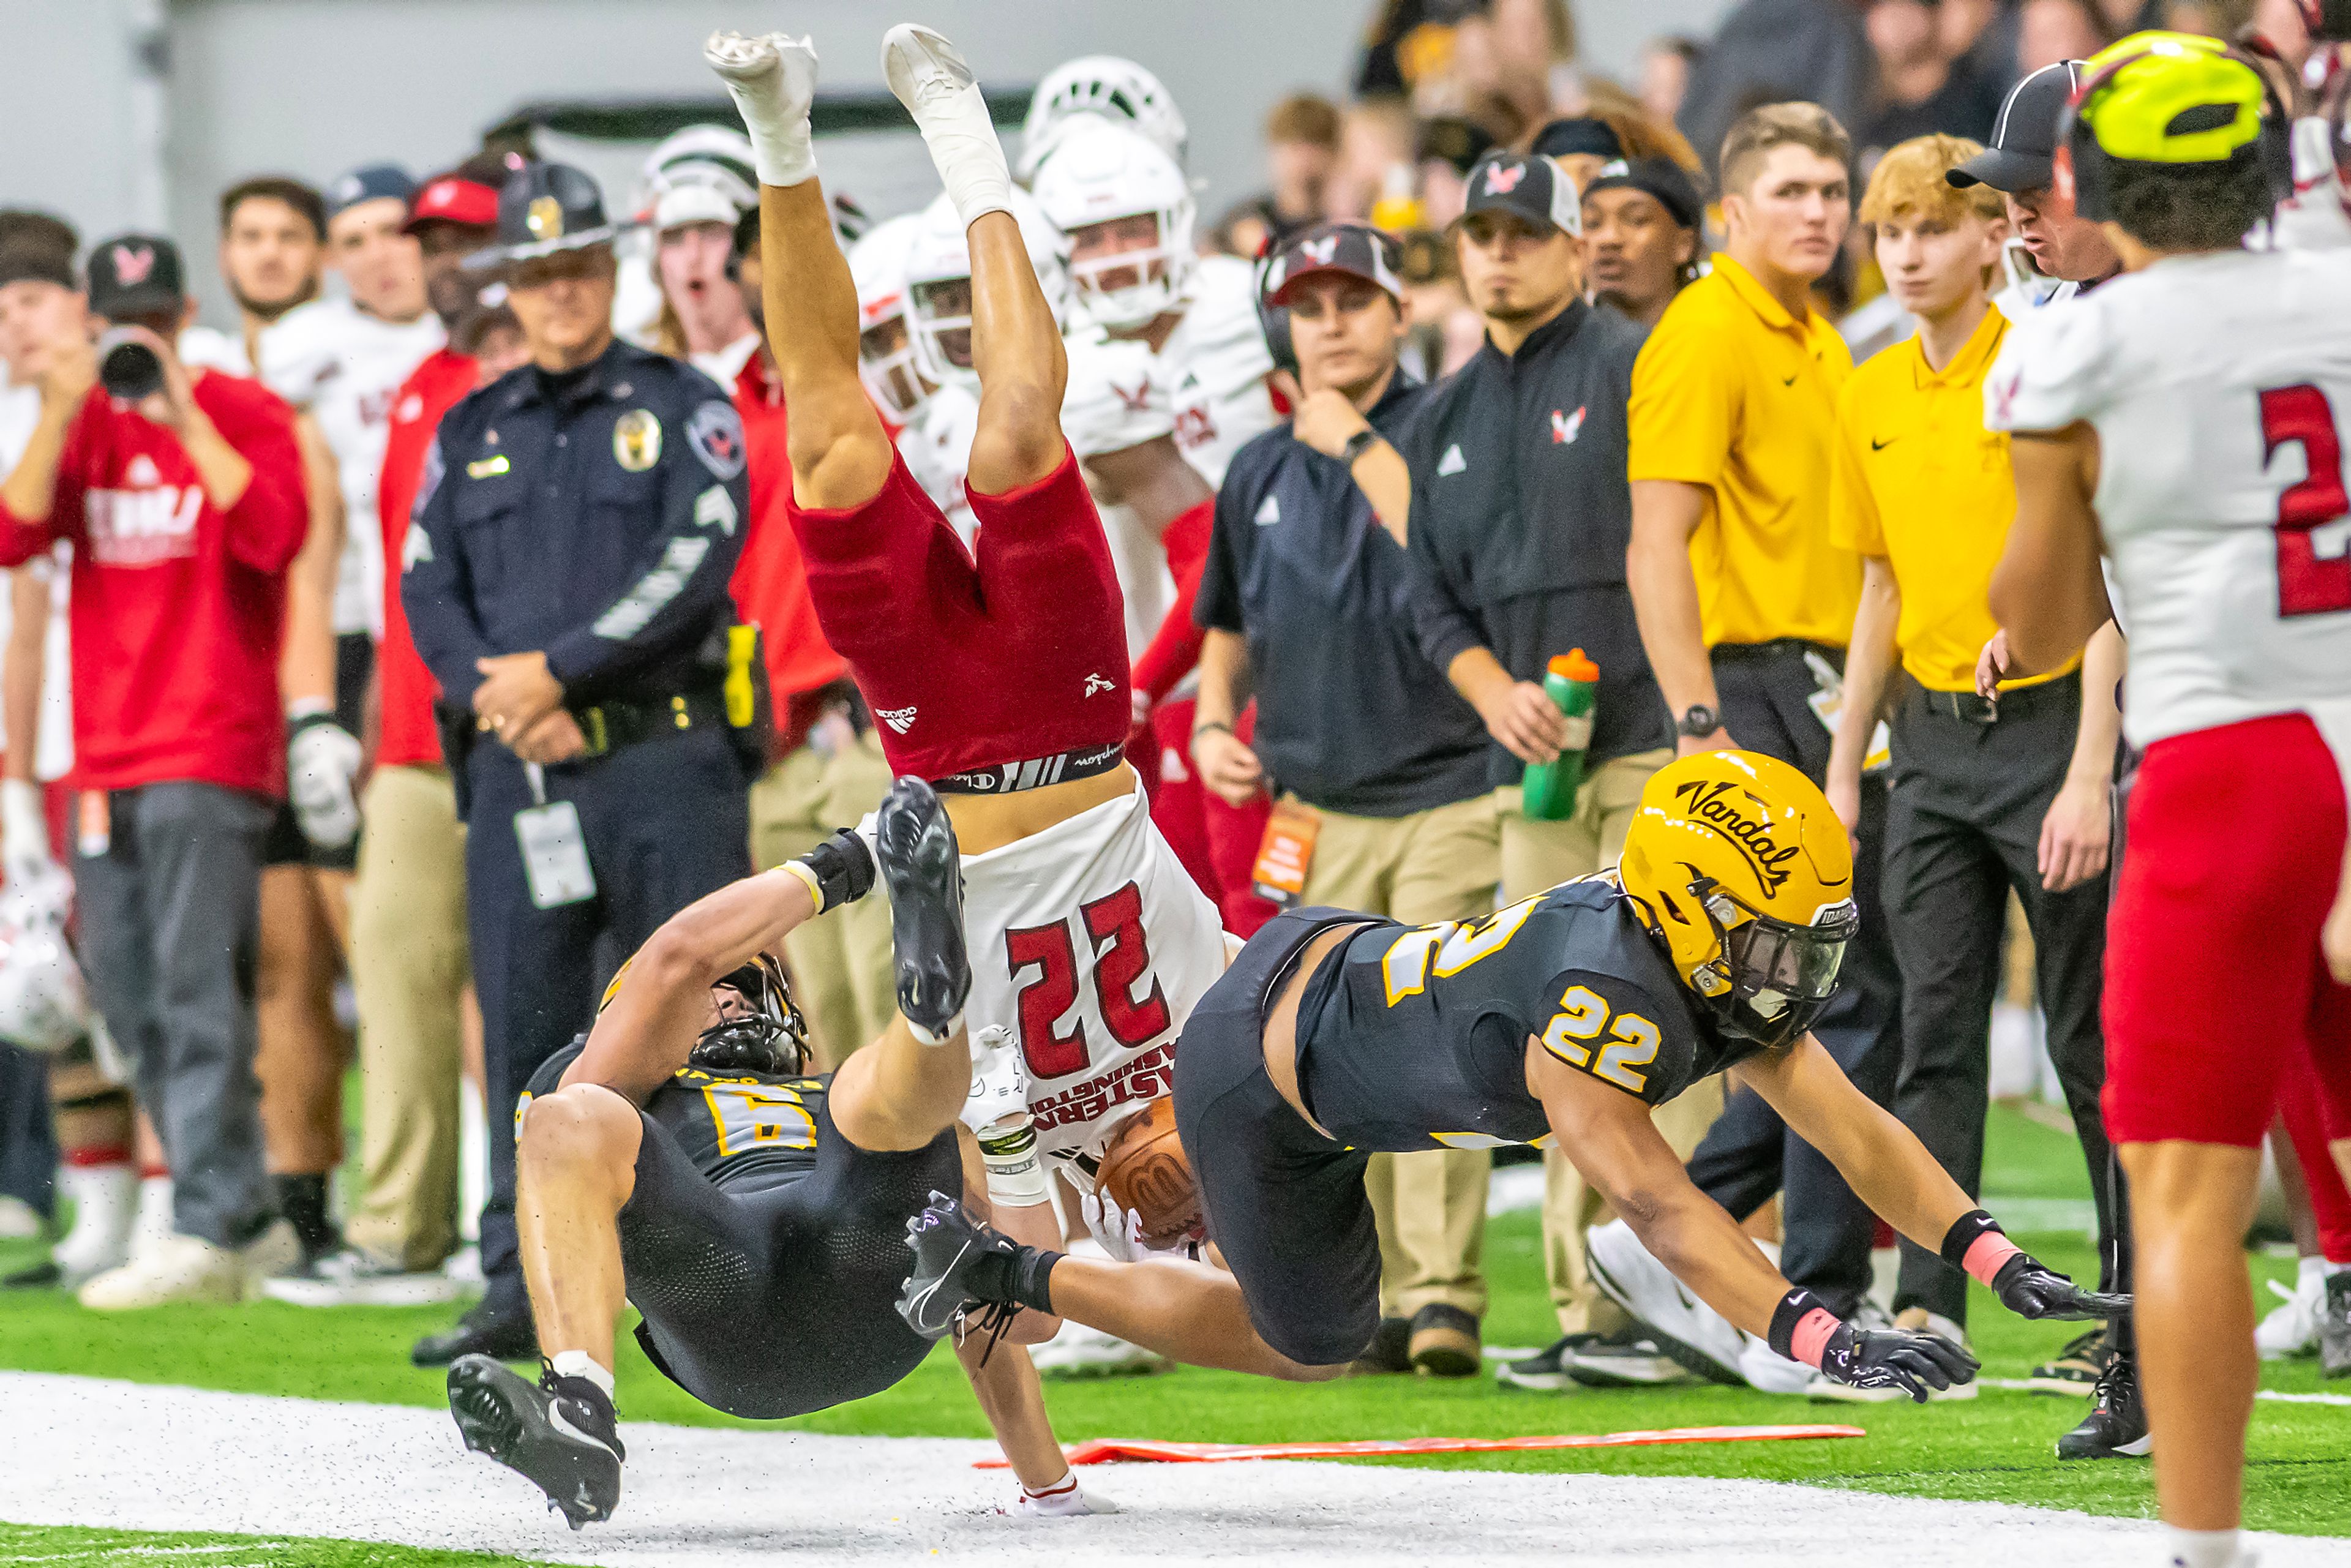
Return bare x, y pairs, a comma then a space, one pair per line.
2220, 386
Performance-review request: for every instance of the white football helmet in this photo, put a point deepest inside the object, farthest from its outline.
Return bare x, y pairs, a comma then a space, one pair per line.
887, 361
1100, 173
44, 1005
699, 169
938, 284
1106, 86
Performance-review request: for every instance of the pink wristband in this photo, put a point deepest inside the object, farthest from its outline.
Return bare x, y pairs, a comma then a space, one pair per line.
1812, 1335
1988, 1253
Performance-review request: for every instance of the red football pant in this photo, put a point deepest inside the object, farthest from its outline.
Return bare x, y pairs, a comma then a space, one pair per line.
974, 659
2214, 980
2305, 1124
1217, 842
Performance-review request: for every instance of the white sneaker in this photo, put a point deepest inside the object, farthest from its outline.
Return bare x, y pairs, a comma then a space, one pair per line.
172, 1269
347, 1277
1684, 1327
2292, 1327
1067, 1501
1769, 1371
19, 1220
1080, 1352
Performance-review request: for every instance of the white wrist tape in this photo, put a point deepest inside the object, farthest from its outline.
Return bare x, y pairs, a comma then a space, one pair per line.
1016, 1176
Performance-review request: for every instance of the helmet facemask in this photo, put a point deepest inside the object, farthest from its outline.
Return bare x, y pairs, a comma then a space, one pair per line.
888, 366
1129, 287
1769, 979
765, 1034
938, 322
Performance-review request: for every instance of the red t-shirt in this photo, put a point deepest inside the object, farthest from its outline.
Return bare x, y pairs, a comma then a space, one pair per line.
179, 608
405, 688
770, 582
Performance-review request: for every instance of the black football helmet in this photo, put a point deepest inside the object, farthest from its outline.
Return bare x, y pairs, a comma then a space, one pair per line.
771, 1036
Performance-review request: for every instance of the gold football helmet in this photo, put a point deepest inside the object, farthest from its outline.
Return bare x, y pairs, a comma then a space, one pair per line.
1745, 874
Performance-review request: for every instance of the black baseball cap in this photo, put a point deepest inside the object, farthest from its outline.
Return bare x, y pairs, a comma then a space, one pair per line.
28, 263
1533, 188
1569, 137
545, 208
2024, 136
1451, 140
370, 182
137, 275
1343, 245
1661, 178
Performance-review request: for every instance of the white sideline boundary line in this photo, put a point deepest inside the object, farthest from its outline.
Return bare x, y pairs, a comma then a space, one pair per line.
93, 1451
2278, 1396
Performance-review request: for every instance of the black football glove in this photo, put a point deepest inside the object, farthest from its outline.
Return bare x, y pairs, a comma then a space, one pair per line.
2031, 1289
1895, 1358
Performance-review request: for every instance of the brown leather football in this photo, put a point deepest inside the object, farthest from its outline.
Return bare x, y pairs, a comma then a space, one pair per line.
1146, 1171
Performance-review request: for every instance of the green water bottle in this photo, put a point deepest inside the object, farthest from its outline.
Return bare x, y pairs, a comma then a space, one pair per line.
1547, 793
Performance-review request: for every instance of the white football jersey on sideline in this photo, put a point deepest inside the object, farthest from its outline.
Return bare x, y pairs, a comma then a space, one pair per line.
345, 367
1216, 363
2220, 386
936, 448
1116, 398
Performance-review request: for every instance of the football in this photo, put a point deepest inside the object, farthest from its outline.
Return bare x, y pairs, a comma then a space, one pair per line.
1146, 1171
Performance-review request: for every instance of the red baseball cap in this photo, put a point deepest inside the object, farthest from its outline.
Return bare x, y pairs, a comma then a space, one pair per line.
448, 199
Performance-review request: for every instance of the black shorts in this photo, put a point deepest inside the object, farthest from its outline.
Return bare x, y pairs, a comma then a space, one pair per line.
783, 1299
1285, 1205
354, 664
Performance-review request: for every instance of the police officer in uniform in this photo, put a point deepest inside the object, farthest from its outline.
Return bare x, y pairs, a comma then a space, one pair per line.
565, 576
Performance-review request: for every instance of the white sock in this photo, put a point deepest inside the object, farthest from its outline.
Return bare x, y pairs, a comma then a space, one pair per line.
955, 127
2325, 1269
579, 1363
2198, 1548
104, 1198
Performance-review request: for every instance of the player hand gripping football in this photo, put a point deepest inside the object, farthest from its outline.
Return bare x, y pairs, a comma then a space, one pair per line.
1120, 1231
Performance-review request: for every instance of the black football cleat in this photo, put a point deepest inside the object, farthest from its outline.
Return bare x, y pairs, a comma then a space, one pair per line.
915, 845
493, 1328
560, 1433
960, 1265
2115, 1427
2334, 1328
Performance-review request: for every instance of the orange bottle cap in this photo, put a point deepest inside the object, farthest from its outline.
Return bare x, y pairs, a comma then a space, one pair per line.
1573, 666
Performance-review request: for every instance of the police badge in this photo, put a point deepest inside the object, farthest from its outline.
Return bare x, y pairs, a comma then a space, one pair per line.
637, 440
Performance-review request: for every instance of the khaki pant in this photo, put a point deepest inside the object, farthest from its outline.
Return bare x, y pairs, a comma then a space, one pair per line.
1537, 855
842, 976
410, 968
1440, 864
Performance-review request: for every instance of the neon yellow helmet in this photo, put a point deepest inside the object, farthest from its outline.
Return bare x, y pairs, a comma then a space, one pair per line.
1746, 875
2176, 100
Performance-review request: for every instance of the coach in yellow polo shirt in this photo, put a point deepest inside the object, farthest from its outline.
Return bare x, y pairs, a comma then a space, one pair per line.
1744, 604
1990, 792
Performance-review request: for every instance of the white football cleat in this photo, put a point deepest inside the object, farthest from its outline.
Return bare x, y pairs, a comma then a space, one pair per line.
1769, 1371
2291, 1329
931, 77
1684, 1327
172, 1269
1063, 1499
772, 79
19, 1220
1080, 1352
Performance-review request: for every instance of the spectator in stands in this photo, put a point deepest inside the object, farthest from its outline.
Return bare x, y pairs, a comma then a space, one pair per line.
2050, 31
1745, 605
1644, 230
1769, 51
1991, 794
273, 242
1301, 153
1666, 66
825, 766
1380, 768
1448, 148
1518, 522
408, 962
185, 504
1922, 88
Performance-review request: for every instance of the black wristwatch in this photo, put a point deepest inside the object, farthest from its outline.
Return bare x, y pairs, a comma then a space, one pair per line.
1363, 441
1697, 720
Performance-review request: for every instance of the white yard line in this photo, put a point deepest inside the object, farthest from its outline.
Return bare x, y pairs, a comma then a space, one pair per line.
92, 1452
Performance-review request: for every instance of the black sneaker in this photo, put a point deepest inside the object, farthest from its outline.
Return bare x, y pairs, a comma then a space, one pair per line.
560, 1433
1546, 1371
1389, 1352
2117, 1424
501, 1330
2075, 1369
1445, 1342
961, 1264
914, 845
2334, 1328
1626, 1359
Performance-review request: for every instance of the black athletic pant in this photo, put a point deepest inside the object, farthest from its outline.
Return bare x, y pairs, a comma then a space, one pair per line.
1968, 802
1749, 1154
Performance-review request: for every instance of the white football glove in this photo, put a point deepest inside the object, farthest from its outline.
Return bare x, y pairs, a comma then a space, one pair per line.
24, 832
322, 771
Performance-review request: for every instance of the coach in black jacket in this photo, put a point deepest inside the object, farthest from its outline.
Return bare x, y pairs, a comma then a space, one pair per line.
1519, 519
1305, 594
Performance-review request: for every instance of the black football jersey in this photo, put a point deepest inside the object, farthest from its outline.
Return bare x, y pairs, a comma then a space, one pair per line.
1415, 1037
747, 1132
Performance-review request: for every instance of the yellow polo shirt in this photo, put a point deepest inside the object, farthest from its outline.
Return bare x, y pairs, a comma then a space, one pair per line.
1920, 482
1732, 392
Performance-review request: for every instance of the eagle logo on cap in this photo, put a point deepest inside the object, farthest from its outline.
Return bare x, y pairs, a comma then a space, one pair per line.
1321, 251
544, 218
1501, 178
132, 263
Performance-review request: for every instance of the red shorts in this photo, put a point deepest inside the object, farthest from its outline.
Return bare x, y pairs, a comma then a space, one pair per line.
974, 660
2214, 978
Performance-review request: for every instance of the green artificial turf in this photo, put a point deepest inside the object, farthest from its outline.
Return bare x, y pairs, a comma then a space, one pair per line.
1995, 1448
60, 1547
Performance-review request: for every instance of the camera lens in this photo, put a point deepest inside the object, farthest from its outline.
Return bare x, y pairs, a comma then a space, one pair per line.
129, 369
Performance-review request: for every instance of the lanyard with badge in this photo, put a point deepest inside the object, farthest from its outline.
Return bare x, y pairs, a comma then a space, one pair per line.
554, 851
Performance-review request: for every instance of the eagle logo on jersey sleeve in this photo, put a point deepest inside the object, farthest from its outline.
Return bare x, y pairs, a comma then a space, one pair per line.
2052, 371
